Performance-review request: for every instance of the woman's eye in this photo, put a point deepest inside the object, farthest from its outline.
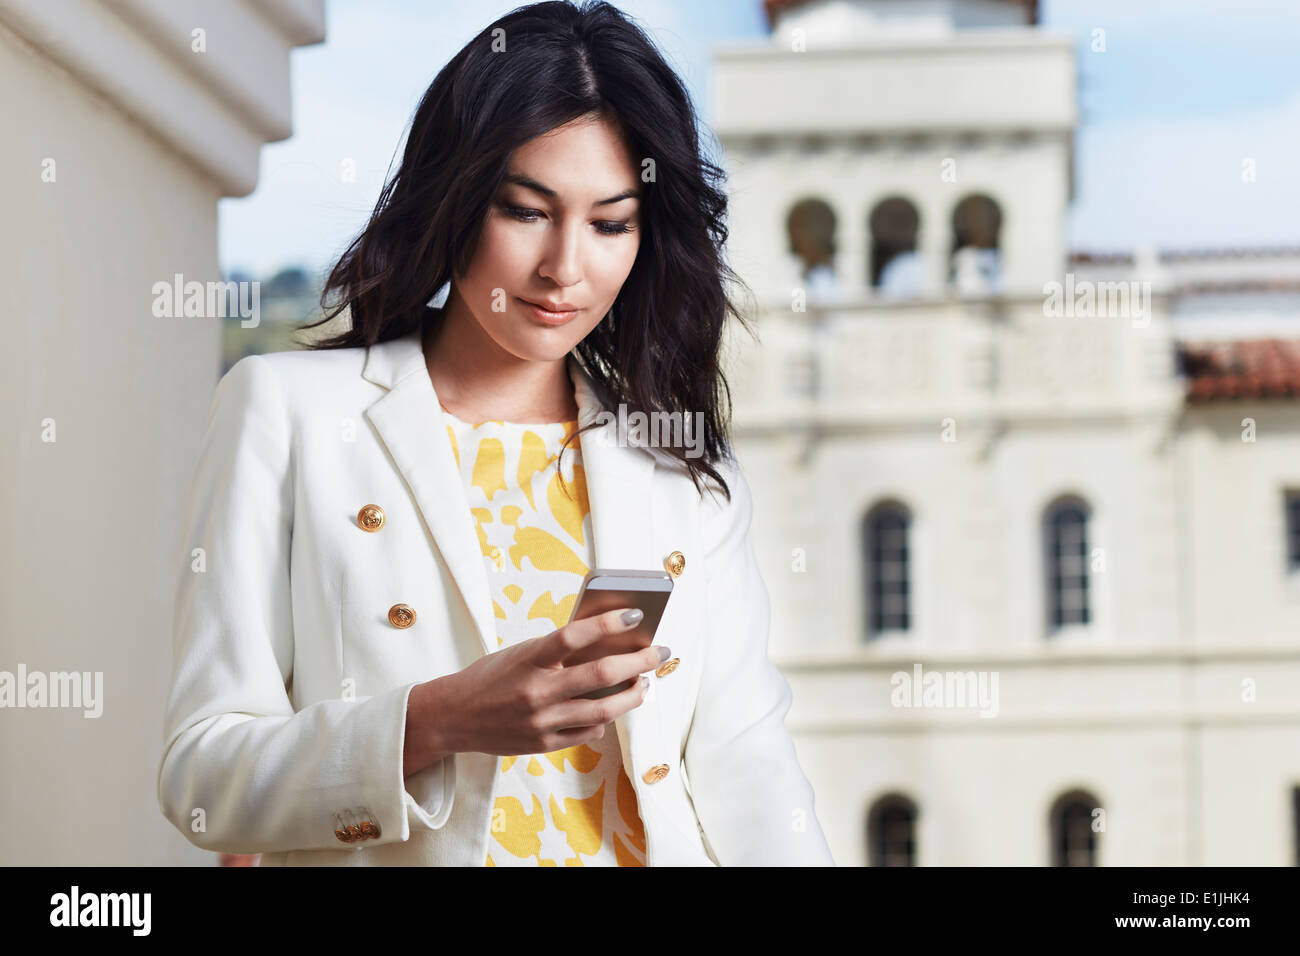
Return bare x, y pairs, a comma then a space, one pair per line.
522, 214
605, 228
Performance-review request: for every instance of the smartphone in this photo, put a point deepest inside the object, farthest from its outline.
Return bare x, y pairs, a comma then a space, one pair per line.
604, 590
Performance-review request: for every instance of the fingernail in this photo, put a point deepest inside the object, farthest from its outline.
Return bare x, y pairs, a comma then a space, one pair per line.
632, 616
664, 654
645, 683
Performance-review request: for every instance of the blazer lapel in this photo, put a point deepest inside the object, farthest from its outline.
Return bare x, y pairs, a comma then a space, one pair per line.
410, 423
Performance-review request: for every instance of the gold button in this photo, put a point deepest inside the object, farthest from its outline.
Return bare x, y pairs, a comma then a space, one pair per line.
655, 773
370, 518
401, 615
370, 829
354, 833
676, 564
343, 836
667, 667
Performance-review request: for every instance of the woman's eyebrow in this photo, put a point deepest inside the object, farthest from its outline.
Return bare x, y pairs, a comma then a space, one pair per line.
534, 185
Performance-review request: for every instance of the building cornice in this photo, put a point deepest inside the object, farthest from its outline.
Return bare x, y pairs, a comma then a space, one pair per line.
216, 108
1047, 655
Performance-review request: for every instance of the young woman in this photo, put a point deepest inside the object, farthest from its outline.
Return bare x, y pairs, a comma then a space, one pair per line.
374, 660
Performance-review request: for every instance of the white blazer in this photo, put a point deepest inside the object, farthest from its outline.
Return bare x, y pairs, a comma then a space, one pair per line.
284, 729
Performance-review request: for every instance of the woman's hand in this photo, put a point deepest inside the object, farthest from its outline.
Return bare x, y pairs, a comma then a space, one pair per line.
525, 699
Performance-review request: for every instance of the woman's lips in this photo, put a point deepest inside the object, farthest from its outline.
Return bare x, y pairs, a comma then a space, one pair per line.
547, 317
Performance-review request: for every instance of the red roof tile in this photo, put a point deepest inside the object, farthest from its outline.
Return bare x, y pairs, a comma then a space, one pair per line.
1187, 255
1256, 368
1229, 252
1081, 256
1263, 284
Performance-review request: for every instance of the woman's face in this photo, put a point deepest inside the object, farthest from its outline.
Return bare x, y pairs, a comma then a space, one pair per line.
562, 231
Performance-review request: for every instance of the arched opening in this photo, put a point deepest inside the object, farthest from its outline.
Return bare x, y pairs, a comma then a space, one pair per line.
975, 264
1074, 827
886, 560
895, 266
1065, 542
891, 831
811, 228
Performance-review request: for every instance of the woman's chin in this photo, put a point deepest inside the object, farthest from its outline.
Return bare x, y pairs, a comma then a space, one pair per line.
542, 345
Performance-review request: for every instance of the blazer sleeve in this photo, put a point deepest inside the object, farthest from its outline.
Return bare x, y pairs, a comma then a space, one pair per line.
750, 794
241, 771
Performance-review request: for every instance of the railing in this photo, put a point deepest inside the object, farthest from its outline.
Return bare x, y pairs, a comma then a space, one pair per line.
873, 362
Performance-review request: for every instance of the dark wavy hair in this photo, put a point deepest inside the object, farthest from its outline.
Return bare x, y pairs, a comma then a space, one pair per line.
658, 348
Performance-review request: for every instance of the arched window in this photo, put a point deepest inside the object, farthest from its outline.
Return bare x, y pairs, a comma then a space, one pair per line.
895, 263
891, 832
811, 227
1295, 822
1073, 837
885, 561
976, 267
1065, 541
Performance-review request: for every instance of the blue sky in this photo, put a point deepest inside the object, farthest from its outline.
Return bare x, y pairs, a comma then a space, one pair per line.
1185, 91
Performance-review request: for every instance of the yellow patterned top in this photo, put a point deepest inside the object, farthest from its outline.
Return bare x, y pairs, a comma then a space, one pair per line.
576, 806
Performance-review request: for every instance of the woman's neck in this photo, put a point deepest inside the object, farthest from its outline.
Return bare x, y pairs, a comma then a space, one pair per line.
477, 381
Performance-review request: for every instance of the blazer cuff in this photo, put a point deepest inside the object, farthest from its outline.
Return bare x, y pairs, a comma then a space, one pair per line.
427, 796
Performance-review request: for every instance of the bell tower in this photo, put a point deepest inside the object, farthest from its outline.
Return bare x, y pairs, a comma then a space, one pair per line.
898, 148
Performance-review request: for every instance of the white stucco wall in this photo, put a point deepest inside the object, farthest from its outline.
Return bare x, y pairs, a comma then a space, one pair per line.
88, 563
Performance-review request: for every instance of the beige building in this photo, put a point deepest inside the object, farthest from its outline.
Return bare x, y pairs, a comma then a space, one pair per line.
1034, 557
